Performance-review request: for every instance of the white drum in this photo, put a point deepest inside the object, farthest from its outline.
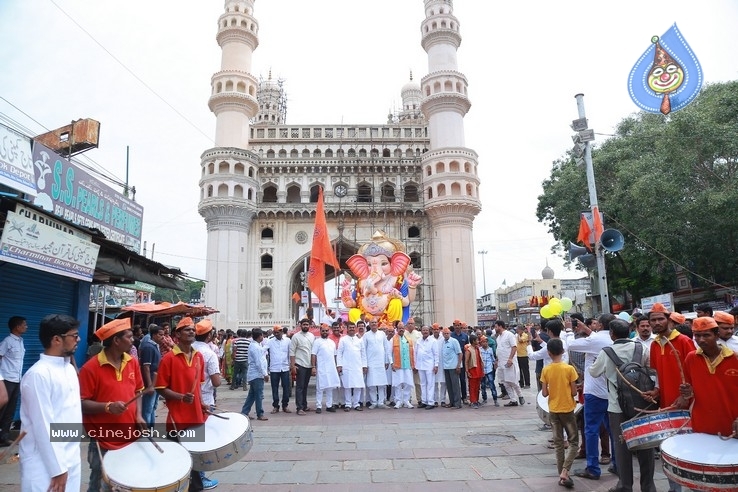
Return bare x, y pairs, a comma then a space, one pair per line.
140, 467
542, 408
701, 462
227, 440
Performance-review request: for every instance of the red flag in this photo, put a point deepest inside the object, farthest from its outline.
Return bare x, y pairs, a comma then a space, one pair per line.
321, 254
597, 221
584, 232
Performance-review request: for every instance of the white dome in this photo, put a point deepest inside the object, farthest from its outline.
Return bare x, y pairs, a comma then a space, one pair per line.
547, 273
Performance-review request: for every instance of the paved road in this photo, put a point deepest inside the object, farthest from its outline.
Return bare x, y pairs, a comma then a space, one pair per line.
490, 448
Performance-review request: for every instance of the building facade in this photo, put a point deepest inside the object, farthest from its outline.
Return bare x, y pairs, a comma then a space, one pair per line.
411, 177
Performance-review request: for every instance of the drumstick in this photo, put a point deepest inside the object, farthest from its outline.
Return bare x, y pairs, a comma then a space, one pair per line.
138, 395
17, 440
105, 477
197, 377
679, 361
151, 440
219, 416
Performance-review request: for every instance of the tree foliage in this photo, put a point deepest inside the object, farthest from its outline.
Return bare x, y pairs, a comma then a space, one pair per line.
192, 291
670, 185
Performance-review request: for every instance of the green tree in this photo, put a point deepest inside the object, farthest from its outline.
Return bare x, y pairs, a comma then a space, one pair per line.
670, 185
192, 291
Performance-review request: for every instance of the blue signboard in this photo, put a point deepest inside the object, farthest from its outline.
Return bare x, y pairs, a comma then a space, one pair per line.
67, 191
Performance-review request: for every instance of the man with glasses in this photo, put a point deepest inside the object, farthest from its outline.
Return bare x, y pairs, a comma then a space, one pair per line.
50, 393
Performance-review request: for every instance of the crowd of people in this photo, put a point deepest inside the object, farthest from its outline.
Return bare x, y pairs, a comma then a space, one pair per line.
366, 365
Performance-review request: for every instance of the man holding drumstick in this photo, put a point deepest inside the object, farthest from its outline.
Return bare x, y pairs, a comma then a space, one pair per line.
712, 380
181, 372
108, 384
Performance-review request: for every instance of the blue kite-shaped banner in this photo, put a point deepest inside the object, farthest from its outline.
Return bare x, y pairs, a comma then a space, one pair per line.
667, 76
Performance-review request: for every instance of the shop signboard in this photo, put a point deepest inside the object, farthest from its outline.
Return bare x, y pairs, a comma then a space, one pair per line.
16, 161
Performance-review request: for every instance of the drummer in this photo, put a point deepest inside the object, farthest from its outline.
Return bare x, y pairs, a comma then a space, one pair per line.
107, 383
181, 372
711, 380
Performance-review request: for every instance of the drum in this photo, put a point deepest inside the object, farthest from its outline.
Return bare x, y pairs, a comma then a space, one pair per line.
227, 440
542, 408
701, 462
140, 467
648, 431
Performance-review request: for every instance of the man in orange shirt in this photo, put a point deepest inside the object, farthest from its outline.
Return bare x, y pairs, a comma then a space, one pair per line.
668, 352
181, 372
712, 380
107, 382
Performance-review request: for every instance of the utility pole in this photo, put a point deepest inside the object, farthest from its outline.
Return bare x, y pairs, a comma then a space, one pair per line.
484, 277
586, 136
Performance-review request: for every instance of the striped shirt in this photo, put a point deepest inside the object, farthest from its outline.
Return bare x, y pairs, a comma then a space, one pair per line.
241, 349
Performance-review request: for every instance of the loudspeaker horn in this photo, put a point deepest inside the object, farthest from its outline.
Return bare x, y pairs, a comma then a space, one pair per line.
612, 240
576, 251
588, 261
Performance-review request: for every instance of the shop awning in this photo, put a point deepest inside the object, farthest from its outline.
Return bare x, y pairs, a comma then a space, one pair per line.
169, 309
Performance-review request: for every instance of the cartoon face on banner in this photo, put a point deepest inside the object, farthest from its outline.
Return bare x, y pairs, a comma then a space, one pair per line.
667, 76
386, 284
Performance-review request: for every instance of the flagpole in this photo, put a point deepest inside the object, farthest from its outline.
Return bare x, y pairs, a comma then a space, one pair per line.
587, 136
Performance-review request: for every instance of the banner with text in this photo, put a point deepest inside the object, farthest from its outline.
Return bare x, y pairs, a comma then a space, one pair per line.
16, 161
33, 244
68, 191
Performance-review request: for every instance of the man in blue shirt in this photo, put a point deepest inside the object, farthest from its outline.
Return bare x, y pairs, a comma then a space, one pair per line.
451, 361
460, 336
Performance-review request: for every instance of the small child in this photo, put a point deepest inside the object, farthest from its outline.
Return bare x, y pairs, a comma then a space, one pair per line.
474, 369
559, 385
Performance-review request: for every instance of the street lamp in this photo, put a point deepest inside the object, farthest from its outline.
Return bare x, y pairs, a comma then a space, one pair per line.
484, 277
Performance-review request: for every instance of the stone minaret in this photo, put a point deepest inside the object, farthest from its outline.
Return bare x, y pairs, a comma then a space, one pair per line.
228, 183
450, 180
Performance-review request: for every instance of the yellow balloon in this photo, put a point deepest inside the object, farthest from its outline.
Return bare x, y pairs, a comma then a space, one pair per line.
554, 302
354, 315
546, 312
566, 303
556, 309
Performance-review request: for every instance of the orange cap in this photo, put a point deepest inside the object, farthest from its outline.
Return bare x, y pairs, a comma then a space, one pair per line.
184, 322
203, 327
677, 318
116, 326
703, 324
723, 317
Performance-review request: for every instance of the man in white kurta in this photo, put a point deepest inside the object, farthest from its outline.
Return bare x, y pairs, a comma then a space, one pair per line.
326, 375
377, 362
351, 362
426, 363
440, 386
508, 371
403, 363
50, 394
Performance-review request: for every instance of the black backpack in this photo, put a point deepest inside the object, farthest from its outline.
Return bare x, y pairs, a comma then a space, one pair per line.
637, 375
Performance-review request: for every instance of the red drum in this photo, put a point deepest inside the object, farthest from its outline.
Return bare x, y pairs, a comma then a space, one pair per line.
649, 431
701, 462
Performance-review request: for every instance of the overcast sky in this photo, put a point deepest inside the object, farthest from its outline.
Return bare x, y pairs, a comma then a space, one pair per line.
342, 61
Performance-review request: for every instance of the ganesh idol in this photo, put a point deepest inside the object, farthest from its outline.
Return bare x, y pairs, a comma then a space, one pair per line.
386, 284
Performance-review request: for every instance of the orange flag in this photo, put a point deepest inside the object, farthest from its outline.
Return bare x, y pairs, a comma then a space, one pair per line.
584, 232
597, 221
296, 297
321, 254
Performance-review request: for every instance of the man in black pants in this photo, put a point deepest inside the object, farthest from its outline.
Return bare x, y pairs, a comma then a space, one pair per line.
463, 340
12, 352
301, 349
